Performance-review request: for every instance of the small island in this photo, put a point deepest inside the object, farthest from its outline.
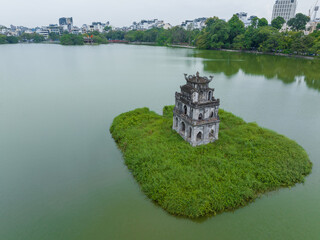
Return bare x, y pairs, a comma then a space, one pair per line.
244, 163
198, 160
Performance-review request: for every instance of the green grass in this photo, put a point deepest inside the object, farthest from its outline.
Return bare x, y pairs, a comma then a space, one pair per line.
245, 162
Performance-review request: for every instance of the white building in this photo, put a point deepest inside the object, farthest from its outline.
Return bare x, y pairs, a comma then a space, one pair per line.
285, 9
95, 26
54, 28
75, 30
197, 23
166, 26
84, 28
3, 29
147, 24
242, 16
66, 23
44, 31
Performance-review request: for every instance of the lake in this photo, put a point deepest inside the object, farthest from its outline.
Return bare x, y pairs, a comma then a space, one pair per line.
62, 176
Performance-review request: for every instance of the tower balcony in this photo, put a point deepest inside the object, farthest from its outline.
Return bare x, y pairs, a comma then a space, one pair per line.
195, 122
203, 103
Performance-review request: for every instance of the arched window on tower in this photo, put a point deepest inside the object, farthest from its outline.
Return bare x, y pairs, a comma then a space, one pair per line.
185, 109
183, 127
199, 136
177, 122
211, 133
211, 115
190, 132
200, 116
209, 95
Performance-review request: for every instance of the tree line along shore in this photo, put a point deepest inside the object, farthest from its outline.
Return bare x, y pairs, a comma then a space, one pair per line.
218, 34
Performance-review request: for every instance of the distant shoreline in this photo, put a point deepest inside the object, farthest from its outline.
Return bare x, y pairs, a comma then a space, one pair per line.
183, 46
252, 52
223, 50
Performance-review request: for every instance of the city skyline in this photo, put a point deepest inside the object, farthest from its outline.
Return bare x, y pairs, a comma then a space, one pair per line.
123, 13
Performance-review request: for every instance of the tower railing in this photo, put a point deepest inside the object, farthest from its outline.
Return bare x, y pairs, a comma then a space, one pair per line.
195, 122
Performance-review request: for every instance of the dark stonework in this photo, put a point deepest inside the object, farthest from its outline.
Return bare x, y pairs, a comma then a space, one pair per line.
195, 115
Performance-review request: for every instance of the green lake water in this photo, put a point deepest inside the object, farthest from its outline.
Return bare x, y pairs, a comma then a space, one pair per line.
62, 176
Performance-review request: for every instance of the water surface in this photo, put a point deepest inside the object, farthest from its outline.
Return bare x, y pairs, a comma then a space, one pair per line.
62, 176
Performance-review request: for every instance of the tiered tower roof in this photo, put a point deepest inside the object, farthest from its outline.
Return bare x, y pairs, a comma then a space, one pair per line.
197, 79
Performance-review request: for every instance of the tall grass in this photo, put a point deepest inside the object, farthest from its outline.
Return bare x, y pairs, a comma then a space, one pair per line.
245, 162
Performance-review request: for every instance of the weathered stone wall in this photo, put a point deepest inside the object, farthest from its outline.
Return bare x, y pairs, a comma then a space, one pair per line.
195, 115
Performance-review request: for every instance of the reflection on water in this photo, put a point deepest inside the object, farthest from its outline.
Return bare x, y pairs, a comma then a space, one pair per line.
63, 177
285, 69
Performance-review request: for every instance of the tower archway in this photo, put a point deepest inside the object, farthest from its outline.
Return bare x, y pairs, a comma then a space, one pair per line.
185, 109
211, 133
199, 136
183, 127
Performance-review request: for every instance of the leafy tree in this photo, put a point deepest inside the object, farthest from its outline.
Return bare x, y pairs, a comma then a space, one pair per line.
249, 36
151, 35
220, 34
115, 35
272, 43
107, 28
211, 21
238, 42
236, 27
302, 44
26, 37
192, 36
278, 22
71, 39
54, 36
3, 39
215, 35
37, 38
12, 39
254, 22
299, 22
203, 40
95, 33
254, 37
99, 39
315, 49
178, 35
134, 36
262, 22
163, 37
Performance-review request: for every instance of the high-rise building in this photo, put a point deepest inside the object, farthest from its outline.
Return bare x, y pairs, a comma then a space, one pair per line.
66, 23
242, 16
285, 9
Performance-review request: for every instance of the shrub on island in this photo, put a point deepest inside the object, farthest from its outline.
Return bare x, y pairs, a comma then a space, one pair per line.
244, 163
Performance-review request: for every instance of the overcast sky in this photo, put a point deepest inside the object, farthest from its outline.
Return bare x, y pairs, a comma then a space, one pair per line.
33, 13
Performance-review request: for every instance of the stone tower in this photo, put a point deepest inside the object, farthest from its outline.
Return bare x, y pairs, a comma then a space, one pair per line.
195, 115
